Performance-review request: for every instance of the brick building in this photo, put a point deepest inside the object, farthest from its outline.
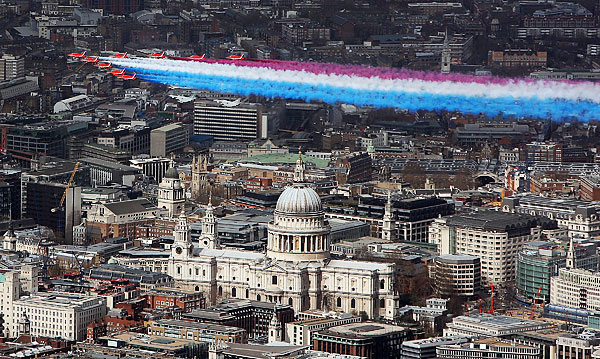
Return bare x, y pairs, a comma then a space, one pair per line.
366, 339
167, 297
589, 188
518, 58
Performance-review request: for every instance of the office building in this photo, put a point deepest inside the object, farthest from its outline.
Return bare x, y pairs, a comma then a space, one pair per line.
18, 87
577, 346
576, 288
134, 140
49, 314
42, 203
367, 339
44, 137
488, 348
456, 275
568, 20
229, 120
169, 139
105, 153
11, 67
354, 168
478, 324
188, 301
474, 133
518, 58
589, 188
542, 152
252, 316
146, 280
301, 332
539, 261
494, 237
425, 348
12, 179
154, 168
107, 172
411, 216
202, 332
581, 218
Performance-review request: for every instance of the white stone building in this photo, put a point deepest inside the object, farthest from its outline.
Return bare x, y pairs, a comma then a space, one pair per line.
576, 288
50, 314
580, 218
494, 237
296, 269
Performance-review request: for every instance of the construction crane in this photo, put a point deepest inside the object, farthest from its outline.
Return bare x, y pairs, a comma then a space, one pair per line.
491, 311
535, 301
76, 70
64, 196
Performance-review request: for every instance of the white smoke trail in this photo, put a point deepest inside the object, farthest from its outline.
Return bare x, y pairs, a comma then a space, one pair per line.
584, 91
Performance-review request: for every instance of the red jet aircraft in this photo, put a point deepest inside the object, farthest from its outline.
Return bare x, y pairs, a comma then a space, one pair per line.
77, 55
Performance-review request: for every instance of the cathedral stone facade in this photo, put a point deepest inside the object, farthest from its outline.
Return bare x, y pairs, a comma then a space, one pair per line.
296, 268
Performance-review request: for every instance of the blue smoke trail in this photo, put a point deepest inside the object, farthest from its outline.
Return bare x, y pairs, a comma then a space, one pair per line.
506, 106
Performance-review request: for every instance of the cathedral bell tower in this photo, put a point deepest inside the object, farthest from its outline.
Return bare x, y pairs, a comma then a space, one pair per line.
182, 245
209, 237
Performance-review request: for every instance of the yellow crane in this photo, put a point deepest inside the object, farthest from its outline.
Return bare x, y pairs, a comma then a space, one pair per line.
64, 196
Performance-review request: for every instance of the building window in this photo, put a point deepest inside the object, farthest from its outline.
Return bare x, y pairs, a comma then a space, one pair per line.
197, 289
339, 302
178, 270
274, 280
220, 291
233, 292
382, 284
290, 301
353, 303
258, 297
382, 303
247, 293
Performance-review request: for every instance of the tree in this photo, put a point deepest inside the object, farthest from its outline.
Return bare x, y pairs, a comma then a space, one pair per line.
463, 179
413, 174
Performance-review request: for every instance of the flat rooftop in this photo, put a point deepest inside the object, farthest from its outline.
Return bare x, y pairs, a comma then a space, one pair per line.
152, 342
364, 329
174, 323
490, 220
435, 341
494, 321
262, 351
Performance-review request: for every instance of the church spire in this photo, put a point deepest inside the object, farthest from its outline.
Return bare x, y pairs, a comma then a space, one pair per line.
300, 168
571, 256
388, 229
446, 54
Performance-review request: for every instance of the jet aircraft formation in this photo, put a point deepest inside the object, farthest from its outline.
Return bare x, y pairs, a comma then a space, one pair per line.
121, 73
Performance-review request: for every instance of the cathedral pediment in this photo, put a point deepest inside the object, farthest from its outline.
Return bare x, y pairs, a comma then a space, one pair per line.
276, 267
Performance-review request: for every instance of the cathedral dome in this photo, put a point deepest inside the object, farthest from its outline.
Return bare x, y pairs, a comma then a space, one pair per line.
171, 173
299, 199
299, 231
